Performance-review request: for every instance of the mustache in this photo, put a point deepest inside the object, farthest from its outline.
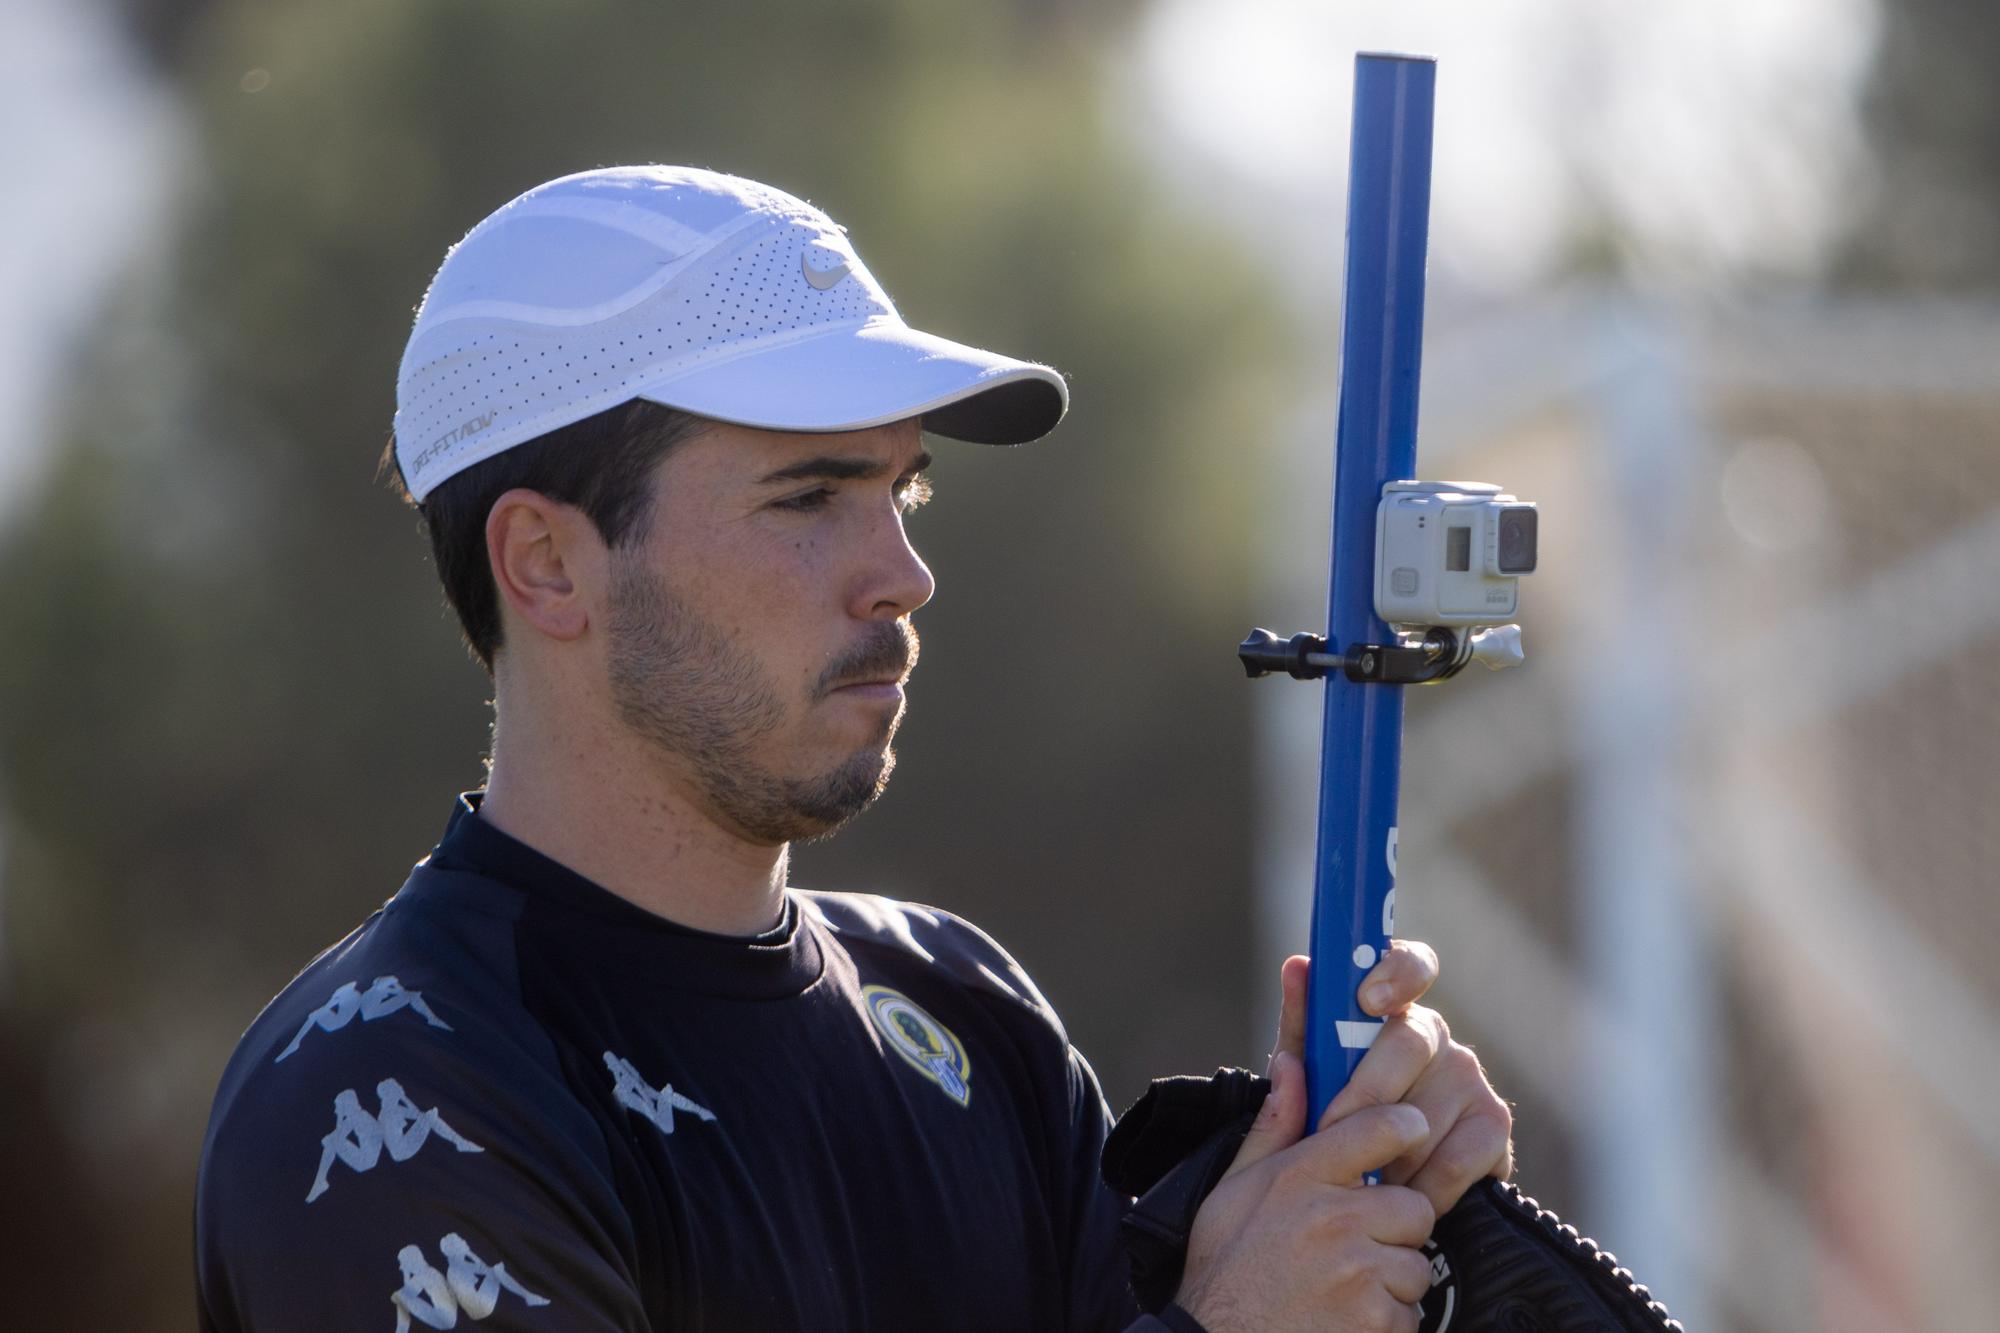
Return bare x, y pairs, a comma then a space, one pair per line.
888, 650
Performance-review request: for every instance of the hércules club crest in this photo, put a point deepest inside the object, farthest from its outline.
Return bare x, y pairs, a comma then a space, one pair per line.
930, 1047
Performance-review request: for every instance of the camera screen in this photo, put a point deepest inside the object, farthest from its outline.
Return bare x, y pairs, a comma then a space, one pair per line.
1517, 541
1457, 549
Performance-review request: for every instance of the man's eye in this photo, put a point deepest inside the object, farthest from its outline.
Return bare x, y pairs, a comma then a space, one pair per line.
811, 500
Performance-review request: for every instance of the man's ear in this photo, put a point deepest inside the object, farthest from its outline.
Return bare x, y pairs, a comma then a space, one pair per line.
547, 561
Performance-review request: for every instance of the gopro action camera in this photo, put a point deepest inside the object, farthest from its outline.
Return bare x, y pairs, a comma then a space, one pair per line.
1451, 553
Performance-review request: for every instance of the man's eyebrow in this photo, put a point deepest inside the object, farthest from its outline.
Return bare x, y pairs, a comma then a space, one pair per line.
830, 467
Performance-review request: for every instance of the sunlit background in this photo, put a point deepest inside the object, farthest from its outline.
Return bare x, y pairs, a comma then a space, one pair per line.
1718, 284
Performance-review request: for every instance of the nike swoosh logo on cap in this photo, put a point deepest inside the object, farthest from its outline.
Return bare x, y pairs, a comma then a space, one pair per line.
821, 281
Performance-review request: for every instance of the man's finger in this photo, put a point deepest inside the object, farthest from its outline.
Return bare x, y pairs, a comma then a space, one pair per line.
1292, 1006
1364, 1142
1453, 1090
1406, 1273
1400, 978
1283, 1117
1397, 1215
1477, 1146
1401, 1053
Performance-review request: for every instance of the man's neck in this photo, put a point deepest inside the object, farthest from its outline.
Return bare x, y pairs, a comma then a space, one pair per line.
584, 798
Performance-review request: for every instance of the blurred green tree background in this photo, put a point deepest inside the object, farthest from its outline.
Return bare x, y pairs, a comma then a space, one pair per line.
234, 708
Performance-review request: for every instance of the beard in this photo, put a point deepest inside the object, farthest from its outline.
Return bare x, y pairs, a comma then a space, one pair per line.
682, 683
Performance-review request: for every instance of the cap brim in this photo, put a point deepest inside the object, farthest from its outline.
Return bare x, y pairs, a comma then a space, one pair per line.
870, 375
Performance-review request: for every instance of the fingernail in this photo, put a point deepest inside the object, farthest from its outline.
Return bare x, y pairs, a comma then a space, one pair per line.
1410, 1121
1377, 995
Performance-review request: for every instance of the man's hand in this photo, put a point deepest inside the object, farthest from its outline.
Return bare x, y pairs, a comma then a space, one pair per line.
1414, 1060
1291, 1239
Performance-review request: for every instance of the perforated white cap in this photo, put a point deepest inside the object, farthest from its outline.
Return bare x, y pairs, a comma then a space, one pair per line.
696, 290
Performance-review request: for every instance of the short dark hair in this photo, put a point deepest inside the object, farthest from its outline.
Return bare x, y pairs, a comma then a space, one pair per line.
602, 464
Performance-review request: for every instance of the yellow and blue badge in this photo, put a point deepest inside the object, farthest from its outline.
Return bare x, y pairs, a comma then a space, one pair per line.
928, 1045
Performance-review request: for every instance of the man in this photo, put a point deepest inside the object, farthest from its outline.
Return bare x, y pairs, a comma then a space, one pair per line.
596, 1066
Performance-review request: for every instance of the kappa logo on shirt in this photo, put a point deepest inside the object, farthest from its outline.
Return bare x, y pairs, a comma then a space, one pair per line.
928, 1045
468, 1285
358, 1138
384, 996
634, 1093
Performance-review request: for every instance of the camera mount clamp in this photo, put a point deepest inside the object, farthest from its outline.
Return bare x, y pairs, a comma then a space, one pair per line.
1439, 653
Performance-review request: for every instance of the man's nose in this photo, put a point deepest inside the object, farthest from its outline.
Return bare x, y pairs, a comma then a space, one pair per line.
897, 581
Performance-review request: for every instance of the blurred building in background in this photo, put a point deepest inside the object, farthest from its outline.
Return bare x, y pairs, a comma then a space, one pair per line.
1718, 289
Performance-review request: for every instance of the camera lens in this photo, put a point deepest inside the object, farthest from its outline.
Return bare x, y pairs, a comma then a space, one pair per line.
1517, 540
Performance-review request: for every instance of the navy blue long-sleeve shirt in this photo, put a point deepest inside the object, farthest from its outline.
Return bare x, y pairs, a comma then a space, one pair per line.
513, 1100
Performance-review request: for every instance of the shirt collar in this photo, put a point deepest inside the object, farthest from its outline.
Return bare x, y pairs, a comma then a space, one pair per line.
781, 960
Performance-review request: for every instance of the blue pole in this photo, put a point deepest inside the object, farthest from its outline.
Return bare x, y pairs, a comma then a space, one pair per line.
1361, 744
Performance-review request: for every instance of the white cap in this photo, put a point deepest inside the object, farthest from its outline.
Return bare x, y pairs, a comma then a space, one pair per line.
696, 290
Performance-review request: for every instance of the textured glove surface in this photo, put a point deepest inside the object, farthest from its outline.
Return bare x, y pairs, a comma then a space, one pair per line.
1501, 1263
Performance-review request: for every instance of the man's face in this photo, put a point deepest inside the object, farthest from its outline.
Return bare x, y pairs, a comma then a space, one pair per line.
759, 628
